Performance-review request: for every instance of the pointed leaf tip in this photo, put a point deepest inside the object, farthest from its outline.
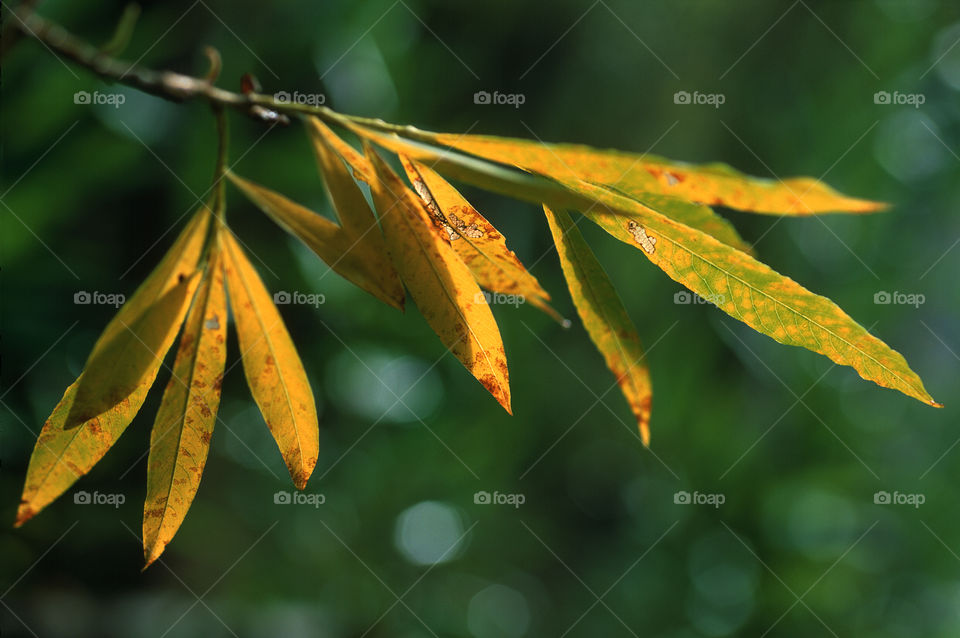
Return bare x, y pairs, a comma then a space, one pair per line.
271, 365
604, 316
442, 286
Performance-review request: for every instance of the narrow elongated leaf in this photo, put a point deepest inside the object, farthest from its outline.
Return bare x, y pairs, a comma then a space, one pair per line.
481, 246
347, 199
184, 424
604, 316
711, 184
122, 366
323, 136
272, 366
441, 284
537, 188
485, 174
752, 292
358, 255
819, 325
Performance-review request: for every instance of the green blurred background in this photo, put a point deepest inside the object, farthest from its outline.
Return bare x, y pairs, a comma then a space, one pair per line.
92, 196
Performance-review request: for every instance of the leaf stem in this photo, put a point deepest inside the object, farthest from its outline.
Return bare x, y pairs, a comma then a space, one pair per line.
219, 181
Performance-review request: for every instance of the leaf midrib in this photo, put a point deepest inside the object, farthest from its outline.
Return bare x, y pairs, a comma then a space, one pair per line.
188, 387
446, 293
603, 313
269, 341
749, 286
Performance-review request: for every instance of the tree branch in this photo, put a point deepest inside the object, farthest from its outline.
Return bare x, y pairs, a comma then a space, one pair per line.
178, 87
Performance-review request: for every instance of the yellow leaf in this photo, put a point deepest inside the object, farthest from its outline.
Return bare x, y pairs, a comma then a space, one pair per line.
101, 403
272, 366
181, 432
604, 316
751, 291
358, 255
323, 137
538, 188
481, 173
711, 184
441, 284
694, 258
481, 247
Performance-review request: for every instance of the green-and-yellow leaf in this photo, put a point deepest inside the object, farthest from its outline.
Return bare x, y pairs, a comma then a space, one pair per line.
751, 291
272, 366
181, 432
604, 316
481, 246
357, 255
711, 184
691, 214
101, 403
441, 284
698, 261
537, 188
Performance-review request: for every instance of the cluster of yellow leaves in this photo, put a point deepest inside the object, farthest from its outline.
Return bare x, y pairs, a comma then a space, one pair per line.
424, 235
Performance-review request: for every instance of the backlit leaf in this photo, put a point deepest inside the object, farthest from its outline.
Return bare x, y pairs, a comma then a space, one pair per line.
322, 136
181, 432
101, 403
604, 316
711, 184
272, 366
753, 292
358, 255
441, 284
481, 246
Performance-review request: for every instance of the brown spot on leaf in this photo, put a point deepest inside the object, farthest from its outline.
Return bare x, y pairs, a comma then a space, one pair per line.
640, 236
471, 231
